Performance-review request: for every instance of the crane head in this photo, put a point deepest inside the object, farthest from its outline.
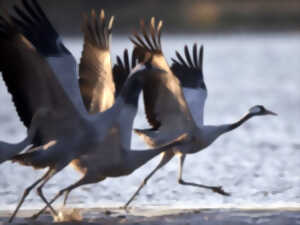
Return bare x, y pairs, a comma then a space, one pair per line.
259, 110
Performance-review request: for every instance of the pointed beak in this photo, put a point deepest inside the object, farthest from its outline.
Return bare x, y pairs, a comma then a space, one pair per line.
268, 112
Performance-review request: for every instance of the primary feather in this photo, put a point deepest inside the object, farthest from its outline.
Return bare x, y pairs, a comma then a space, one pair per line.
190, 73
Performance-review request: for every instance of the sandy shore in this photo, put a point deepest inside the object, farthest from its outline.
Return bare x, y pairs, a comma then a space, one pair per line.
165, 215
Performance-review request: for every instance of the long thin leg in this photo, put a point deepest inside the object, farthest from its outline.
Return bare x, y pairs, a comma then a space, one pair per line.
66, 197
60, 193
217, 189
26, 192
40, 192
166, 157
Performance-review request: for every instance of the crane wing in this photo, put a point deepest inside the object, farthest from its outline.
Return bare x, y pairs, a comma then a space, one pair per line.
36, 27
28, 76
165, 106
190, 73
122, 69
96, 80
117, 134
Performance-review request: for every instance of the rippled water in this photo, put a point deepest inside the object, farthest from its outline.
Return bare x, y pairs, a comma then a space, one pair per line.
258, 163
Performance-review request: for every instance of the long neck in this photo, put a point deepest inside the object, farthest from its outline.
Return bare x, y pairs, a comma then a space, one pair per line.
131, 91
8, 150
208, 134
235, 125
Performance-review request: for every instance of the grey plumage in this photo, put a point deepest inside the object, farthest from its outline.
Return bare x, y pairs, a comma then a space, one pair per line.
178, 96
95, 74
67, 132
100, 164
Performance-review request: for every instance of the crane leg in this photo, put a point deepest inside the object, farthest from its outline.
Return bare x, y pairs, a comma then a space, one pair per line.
87, 179
26, 192
217, 189
60, 193
40, 192
166, 157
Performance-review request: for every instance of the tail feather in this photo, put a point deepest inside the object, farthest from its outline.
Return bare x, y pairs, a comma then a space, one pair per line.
150, 136
137, 158
30, 159
24, 159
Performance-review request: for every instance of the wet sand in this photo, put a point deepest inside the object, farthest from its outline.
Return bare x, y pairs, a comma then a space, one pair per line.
164, 215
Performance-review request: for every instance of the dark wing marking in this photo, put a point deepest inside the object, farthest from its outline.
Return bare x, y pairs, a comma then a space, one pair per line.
24, 110
36, 27
96, 81
148, 44
121, 70
165, 105
190, 73
28, 76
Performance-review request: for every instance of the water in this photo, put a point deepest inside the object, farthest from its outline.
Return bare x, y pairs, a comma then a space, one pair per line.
258, 163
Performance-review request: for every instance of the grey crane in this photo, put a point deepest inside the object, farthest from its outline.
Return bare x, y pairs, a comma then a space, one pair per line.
40, 73
174, 103
100, 87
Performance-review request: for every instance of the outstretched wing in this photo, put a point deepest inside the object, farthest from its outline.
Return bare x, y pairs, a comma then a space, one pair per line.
165, 106
148, 44
36, 27
190, 73
28, 76
96, 81
121, 70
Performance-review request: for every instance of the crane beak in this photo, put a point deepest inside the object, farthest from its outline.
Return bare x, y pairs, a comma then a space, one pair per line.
268, 112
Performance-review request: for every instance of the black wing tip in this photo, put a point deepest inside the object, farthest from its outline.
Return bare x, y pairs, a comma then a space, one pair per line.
36, 27
188, 67
149, 37
194, 61
7, 27
97, 28
123, 68
124, 63
31, 13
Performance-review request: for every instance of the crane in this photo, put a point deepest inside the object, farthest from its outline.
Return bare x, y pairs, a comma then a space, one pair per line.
100, 86
40, 73
174, 103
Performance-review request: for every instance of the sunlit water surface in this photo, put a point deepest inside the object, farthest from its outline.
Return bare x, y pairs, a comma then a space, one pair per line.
259, 163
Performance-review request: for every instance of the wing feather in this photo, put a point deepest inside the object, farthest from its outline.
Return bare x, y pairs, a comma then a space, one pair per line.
121, 70
96, 80
28, 77
165, 105
190, 74
36, 27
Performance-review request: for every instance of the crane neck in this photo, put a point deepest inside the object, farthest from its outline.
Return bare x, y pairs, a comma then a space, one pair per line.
131, 91
208, 134
237, 124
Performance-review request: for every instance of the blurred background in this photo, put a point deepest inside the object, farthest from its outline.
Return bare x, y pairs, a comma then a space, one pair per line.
251, 56
180, 15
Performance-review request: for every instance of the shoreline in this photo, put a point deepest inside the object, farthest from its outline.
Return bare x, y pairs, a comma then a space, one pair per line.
153, 215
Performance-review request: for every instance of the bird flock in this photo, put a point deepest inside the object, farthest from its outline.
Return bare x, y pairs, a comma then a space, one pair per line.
85, 118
